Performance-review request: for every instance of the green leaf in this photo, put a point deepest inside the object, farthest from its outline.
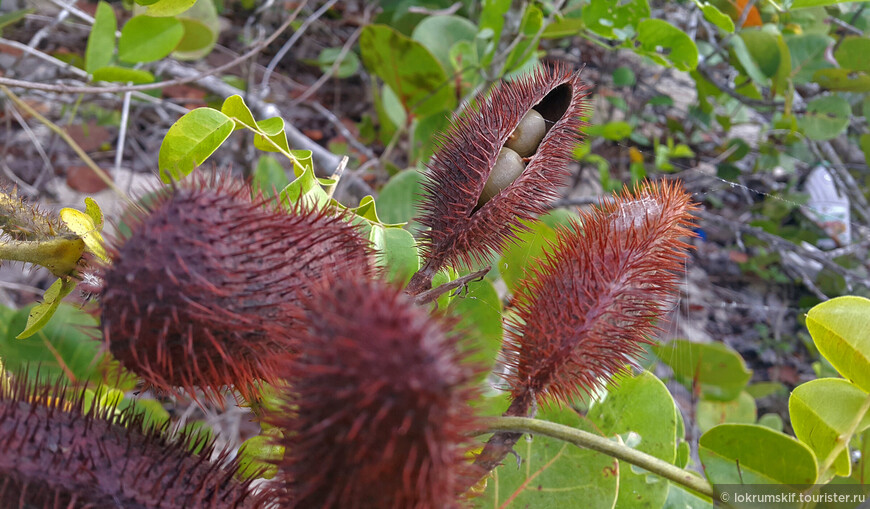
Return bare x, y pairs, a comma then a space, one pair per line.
191, 140
13, 17
807, 55
492, 16
715, 16
529, 247
148, 39
397, 252
826, 117
269, 176
529, 32
667, 44
398, 199
762, 47
479, 312
258, 455
273, 129
641, 411
553, 474
408, 68
101, 40
201, 29
348, 66
680, 498
624, 77
307, 187
852, 53
164, 8
864, 142
822, 412
751, 454
615, 19
123, 75
839, 330
234, 107
64, 346
803, 4
772, 421
717, 368
844, 80
440, 33
41, 313
741, 410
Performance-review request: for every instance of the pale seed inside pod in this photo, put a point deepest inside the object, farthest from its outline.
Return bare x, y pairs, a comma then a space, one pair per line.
508, 166
528, 134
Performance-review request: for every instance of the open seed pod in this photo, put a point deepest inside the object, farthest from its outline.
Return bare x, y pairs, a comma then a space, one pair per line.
479, 187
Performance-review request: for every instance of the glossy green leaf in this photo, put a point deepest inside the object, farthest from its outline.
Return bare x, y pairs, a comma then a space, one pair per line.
717, 368
822, 412
615, 19
715, 16
439, 33
191, 140
307, 187
826, 117
667, 44
101, 40
553, 474
148, 39
123, 75
258, 455
65, 346
840, 329
269, 176
234, 107
41, 313
763, 49
273, 129
852, 53
347, 67
641, 411
165, 8
526, 250
529, 33
741, 410
408, 68
744, 57
844, 80
396, 252
807, 55
479, 312
398, 199
751, 454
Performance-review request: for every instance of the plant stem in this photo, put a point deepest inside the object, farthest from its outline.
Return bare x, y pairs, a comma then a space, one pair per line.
60, 255
604, 445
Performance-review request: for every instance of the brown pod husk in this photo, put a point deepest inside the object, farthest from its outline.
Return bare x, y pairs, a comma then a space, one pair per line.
59, 451
375, 411
458, 232
204, 291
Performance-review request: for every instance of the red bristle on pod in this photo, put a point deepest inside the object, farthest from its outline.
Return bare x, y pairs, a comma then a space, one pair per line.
375, 412
57, 450
204, 291
460, 231
586, 311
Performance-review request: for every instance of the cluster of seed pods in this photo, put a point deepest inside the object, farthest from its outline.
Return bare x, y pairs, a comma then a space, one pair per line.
512, 158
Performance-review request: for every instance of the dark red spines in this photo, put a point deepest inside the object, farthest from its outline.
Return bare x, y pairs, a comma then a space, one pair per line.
52, 455
203, 293
376, 413
585, 313
458, 234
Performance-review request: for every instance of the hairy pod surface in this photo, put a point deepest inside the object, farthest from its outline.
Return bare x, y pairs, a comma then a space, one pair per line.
57, 451
375, 414
204, 291
586, 311
459, 232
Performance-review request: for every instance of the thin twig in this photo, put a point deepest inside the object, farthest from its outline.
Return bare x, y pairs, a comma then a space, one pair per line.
460, 282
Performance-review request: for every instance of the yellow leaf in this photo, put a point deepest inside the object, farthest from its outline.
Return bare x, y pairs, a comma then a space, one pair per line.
83, 225
94, 211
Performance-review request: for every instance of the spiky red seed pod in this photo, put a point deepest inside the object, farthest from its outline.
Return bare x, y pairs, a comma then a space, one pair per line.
586, 311
54, 453
459, 232
203, 293
376, 414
